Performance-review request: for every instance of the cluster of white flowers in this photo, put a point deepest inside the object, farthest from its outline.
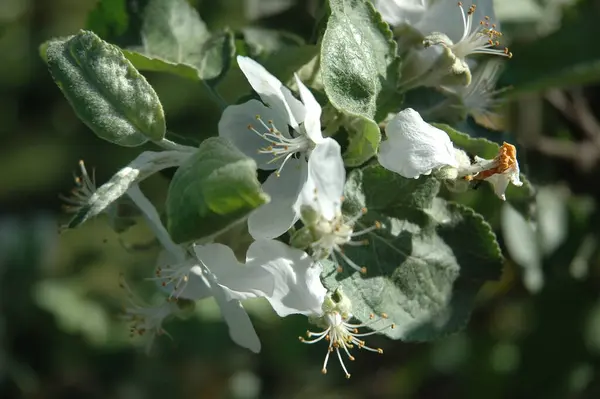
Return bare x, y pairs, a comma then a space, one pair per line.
283, 134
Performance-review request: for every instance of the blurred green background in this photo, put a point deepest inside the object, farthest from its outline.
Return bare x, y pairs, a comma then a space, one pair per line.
534, 334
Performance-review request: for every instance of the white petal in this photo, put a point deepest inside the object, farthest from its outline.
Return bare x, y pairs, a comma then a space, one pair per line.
285, 276
325, 182
397, 12
414, 147
276, 217
298, 288
197, 287
271, 91
234, 126
312, 120
499, 183
238, 281
443, 16
238, 322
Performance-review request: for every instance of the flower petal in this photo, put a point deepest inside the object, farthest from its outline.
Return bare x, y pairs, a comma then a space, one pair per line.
234, 125
272, 91
276, 217
238, 322
287, 277
238, 281
324, 185
445, 16
312, 120
297, 288
414, 147
499, 183
397, 12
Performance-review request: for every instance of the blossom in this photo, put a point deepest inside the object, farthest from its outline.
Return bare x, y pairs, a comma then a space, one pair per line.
480, 99
451, 32
287, 277
343, 336
148, 320
281, 136
414, 147
326, 230
477, 32
500, 171
466, 30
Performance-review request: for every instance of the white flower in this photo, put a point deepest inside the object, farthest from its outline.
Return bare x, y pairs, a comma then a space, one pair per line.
282, 137
147, 321
499, 172
478, 32
343, 336
319, 205
287, 277
450, 34
414, 147
480, 99
468, 32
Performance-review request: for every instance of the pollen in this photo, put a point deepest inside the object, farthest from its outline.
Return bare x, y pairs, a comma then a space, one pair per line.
506, 160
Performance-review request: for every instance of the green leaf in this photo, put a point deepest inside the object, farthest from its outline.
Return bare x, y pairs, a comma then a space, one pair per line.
379, 189
425, 264
356, 53
173, 30
364, 138
108, 19
175, 40
211, 191
554, 60
475, 146
107, 93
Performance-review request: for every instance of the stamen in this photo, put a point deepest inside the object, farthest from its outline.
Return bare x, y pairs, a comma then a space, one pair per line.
343, 335
280, 146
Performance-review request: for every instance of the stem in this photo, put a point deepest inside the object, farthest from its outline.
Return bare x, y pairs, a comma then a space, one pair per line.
216, 96
172, 146
153, 219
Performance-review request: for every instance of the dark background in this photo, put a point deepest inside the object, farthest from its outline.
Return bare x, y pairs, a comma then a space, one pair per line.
60, 332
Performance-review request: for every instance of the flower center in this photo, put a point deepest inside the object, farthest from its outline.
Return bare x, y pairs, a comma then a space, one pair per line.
85, 186
505, 161
145, 319
478, 39
334, 234
278, 144
176, 277
343, 335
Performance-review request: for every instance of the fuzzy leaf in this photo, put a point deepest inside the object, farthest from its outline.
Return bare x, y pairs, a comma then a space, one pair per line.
215, 188
424, 265
107, 93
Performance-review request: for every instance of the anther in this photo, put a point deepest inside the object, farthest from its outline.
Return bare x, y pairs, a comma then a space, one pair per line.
363, 270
